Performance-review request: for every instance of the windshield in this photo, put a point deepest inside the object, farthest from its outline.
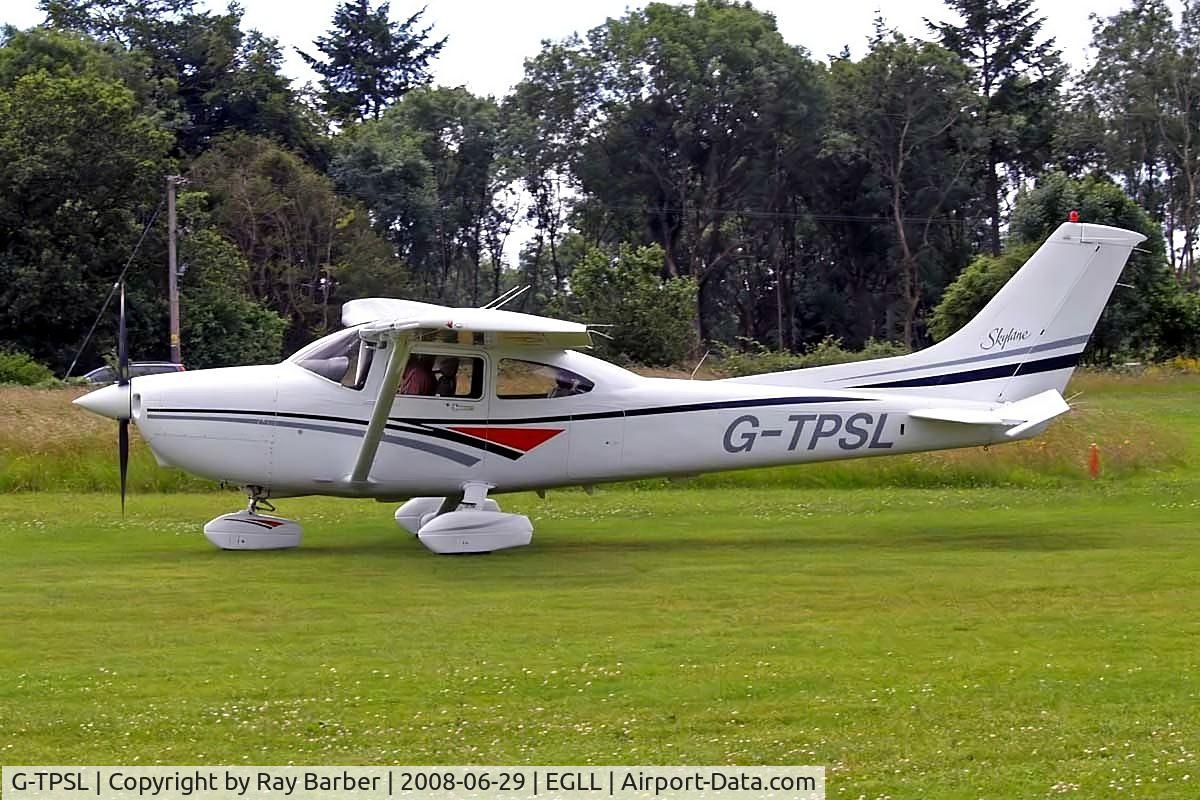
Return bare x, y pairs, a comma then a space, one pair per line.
341, 357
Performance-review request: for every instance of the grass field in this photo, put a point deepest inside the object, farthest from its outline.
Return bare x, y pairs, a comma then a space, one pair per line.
964, 625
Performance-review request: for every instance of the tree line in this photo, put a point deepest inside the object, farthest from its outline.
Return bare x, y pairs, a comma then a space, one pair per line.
682, 173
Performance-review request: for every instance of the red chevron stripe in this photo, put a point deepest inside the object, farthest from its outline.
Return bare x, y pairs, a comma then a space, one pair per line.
523, 439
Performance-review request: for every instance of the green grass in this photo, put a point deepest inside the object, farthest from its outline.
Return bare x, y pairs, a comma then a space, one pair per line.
1017, 639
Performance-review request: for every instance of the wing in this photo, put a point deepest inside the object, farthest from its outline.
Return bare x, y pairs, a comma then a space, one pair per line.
383, 318
370, 309
1018, 417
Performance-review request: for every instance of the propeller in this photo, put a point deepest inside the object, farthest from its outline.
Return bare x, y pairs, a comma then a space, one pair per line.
122, 381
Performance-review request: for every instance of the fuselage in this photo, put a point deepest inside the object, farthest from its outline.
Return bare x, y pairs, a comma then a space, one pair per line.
295, 429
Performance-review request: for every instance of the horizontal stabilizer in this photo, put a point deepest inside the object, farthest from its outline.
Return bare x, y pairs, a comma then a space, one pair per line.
1018, 417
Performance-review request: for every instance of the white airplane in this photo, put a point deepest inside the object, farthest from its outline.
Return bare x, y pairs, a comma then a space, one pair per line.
445, 407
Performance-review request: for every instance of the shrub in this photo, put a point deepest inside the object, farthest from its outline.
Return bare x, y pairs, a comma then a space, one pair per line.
224, 326
754, 359
1186, 365
20, 368
974, 287
653, 321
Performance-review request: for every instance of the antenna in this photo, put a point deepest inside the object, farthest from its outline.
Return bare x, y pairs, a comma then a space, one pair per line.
507, 297
699, 364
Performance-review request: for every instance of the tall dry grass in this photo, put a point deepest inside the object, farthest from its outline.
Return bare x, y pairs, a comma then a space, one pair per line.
48, 444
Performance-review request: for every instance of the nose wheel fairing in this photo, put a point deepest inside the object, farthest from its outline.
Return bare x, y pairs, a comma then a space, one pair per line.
246, 530
250, 529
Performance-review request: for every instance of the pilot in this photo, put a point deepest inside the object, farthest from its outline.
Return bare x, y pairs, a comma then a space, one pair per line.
446, 369
418, 376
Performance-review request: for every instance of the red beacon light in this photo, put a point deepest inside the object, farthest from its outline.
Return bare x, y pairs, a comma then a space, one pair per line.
1073, 216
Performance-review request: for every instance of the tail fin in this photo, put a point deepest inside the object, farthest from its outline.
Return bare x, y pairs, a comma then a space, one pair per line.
1026, 340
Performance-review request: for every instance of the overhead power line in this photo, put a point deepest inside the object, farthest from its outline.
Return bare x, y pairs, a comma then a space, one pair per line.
113, 289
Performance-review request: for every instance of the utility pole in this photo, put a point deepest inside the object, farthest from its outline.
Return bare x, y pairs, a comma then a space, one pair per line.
172, 268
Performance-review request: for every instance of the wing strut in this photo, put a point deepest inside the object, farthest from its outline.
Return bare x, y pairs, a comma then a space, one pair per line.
383, 406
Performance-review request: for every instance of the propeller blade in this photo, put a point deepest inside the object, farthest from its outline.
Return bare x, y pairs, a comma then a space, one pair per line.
122, 343
123, 456
123, 380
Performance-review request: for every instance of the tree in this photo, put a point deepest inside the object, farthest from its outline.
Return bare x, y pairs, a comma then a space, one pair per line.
693, 128
81, 168
1016, 81
1134, 49
428, 171
650, 317
1146, 82
369, 61
1181, 133
543, 133
212, 76
902, 111
221, 324
289, 223
68, 52
459, 137
382, 164
1136, 320
975, 286
134, 24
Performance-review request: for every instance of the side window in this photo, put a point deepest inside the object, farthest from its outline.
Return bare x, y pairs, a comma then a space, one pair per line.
527, 380
428, 375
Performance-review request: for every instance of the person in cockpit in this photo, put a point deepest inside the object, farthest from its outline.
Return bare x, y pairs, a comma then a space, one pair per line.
446, 369
418, 376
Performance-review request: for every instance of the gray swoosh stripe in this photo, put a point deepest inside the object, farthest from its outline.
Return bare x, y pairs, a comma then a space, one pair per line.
1037, 348
414, 444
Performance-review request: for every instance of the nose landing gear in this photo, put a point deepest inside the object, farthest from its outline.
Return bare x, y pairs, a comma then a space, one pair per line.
250, 530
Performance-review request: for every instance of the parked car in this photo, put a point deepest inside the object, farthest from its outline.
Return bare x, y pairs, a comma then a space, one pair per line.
108, 374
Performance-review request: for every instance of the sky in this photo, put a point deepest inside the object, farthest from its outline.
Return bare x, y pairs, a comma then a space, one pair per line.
489, 40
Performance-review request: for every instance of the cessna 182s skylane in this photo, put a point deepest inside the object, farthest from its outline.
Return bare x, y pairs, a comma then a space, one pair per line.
446, 406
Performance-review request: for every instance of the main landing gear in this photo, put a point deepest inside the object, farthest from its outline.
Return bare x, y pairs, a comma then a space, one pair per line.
464, 523
250, 530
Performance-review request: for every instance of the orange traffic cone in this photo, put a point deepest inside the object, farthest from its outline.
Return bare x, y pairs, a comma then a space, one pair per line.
1094, 461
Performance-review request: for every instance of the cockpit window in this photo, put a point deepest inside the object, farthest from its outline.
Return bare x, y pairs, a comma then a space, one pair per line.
527, 380
344, 359
431, 375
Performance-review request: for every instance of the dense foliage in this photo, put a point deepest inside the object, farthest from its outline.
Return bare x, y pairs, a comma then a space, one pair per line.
682, 173
20, 369
647, 320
